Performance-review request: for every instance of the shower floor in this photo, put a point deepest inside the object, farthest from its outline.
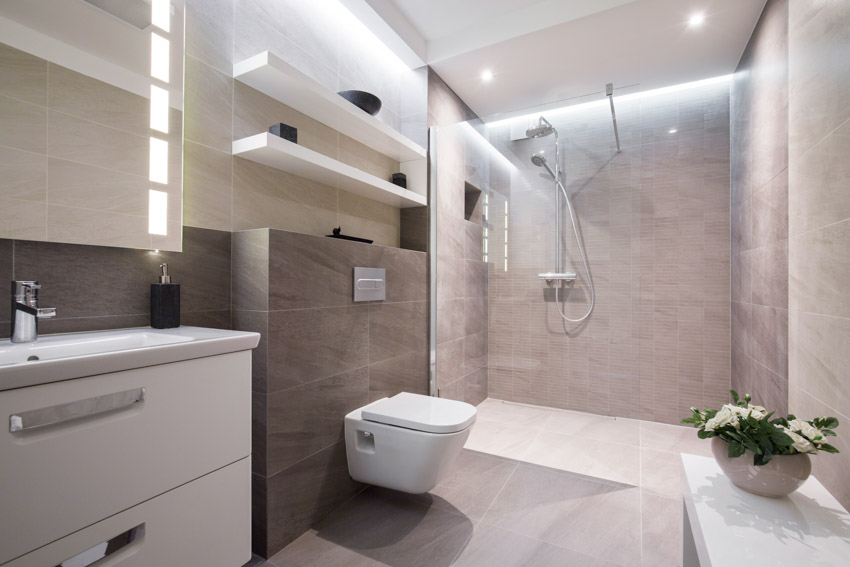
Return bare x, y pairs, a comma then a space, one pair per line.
533, 486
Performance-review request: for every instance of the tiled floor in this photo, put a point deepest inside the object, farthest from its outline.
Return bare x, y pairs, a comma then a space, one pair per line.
534, 486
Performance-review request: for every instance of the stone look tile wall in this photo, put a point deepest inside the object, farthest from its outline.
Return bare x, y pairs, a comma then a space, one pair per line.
655, 220
98, 287
321, 356
759, 132
819, 224
74, 158
229, 193
462, 274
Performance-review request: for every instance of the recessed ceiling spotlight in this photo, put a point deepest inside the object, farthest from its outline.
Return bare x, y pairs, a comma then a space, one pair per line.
696, 20
487, 75
672, 131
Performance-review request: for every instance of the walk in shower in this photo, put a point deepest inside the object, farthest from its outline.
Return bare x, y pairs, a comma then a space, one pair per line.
636, 322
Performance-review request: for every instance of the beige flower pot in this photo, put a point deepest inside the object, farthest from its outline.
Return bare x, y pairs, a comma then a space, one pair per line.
780, 477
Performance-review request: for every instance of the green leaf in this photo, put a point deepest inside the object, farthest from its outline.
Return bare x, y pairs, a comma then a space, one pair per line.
735, 450
703, 434
828, 448
781, 439
828, 432
735, 396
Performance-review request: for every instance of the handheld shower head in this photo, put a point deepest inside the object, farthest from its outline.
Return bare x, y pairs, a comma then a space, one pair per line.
541, 129
538, 159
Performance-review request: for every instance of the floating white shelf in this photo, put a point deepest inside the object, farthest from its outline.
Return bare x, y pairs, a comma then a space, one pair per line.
276, 78
278, 153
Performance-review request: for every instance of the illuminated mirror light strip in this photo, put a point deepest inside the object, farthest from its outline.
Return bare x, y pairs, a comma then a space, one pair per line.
159, 57
157, 212
161, 14
159, 161
159, 109
506, 236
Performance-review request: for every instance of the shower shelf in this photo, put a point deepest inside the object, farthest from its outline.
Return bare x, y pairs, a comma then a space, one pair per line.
276, 78
275, 152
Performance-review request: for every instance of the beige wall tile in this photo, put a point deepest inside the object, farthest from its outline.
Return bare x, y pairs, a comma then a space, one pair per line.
87, 226
83, 186
208, 99
76, 94
366, 159
23, 175
23, 76
819, 271
24, 125
269, 198
207, 187
366, 218
23, 220
79, 140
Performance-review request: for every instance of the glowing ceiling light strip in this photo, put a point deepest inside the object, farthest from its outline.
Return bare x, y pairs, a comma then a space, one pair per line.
159, 109
157, 212
161, 14
159, 57
159, 161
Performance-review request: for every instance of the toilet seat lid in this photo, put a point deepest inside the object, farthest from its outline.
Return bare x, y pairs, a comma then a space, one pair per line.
421, 413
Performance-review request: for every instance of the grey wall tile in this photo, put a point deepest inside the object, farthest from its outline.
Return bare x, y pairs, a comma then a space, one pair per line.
306, 419
309, 344
414, 228
259, 433
304, 494
397, 328
250, 279
405, 373
6, 274
257, 322
406, 273
475, 387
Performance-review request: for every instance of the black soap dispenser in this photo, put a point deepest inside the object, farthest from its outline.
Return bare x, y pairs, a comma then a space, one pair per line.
165, 302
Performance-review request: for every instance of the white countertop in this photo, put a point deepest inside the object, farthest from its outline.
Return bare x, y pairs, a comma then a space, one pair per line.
732, 527
53, 358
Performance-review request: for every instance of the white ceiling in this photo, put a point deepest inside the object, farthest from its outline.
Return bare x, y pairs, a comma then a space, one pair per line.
550, 50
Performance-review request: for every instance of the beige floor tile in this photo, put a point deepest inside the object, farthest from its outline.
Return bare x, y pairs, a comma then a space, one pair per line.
673, 438
661, 525
661, 472
599, 459
513, 414
593, 518
599, 427
501, 438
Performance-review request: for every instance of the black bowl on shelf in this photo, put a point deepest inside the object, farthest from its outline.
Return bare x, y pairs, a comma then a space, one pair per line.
362, 100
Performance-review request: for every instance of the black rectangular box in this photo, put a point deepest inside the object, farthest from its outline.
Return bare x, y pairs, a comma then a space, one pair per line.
285, 131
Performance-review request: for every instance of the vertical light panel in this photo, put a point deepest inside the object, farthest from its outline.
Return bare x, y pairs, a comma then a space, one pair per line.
506, 236
161, 14
157, 212
159, 161
159, 109
159, 57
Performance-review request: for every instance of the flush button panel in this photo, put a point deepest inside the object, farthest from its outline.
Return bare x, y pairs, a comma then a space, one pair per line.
370, 284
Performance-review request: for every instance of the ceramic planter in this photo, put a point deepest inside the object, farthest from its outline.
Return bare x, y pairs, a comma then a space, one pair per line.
780, 477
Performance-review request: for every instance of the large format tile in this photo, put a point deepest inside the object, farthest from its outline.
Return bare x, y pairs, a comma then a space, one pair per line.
365, 218
309, 344
74, 139
23, 175
405, 373
400, 532
209, 32
23, 76
475, 386
250, 278
209, 105
598, 427
207, 187
819, 269
306, 493
397, 328
255, 322
308, 418
661, 472
590, 457
24, 125
84, 186
596, 519
493, 546
673, 438
502, 439
818, 361
661, 530
6, 271
515, 414
25, 220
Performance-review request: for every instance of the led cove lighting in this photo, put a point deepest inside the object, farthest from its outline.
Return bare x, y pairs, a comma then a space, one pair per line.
161, 14
696, 20
159, 161
487, 76
157, 212
159, 57
159, 109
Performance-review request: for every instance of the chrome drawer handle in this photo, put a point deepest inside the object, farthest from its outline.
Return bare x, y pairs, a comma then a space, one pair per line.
74, 410
105, 549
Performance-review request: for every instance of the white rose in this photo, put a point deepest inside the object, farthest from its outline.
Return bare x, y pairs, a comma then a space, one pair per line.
801, 444
808, 430
724, 417
744, 412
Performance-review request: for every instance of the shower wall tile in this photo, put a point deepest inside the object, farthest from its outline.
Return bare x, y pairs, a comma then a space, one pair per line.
655, 221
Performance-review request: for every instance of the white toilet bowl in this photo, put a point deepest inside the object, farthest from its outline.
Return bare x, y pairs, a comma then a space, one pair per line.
407, 442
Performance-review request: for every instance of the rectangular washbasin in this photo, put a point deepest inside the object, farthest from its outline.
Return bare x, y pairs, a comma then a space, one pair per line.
62, 357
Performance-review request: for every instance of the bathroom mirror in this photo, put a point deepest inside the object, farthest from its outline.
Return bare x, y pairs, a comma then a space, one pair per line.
91, 96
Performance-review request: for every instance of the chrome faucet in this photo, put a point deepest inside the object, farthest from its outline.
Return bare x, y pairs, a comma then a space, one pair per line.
26, 312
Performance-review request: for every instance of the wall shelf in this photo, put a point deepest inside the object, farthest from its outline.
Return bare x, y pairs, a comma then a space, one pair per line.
276, 78
273, 151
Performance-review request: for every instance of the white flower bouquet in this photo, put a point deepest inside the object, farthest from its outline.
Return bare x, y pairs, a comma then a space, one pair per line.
748, 427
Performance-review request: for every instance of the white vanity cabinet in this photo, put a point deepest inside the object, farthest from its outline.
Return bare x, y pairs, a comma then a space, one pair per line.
151, 464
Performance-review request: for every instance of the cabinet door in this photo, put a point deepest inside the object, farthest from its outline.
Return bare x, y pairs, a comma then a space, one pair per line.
73, 453
205, 523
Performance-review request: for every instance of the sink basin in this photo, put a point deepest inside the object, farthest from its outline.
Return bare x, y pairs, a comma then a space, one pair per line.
62, 357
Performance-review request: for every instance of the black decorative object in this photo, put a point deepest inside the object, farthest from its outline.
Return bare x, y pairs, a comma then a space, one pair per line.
400, 179
165, 302
285, 131
363, 100
337, 233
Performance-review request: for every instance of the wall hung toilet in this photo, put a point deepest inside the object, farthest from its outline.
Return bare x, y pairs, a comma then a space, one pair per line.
407, 442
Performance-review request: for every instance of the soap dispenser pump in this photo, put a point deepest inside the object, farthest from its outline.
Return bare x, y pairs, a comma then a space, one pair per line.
165, 302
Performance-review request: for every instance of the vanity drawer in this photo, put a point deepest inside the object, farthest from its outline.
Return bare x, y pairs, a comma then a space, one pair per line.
205, 523
195, 417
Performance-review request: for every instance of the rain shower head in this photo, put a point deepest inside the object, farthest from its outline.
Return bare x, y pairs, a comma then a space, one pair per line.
541, 129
